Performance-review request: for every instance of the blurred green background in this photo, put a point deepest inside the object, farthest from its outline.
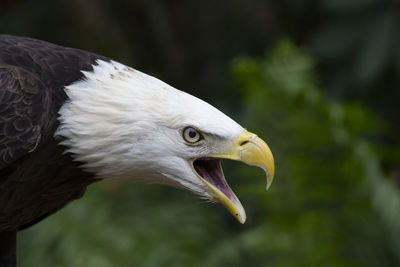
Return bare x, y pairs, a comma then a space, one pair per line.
318, 80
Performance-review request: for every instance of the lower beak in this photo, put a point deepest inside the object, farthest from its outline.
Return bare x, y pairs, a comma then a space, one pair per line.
252, 150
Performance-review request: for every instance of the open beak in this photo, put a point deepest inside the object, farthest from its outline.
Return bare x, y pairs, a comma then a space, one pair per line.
247, 148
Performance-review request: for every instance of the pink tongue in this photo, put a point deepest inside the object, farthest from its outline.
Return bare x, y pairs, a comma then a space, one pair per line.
211, 171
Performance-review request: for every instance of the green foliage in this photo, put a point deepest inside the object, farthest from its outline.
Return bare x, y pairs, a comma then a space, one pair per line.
329, 205
327, 173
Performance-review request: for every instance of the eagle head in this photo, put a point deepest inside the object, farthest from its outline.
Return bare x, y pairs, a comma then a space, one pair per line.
122, 123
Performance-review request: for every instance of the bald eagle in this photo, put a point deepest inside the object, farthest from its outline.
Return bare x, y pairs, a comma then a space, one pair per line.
69, 118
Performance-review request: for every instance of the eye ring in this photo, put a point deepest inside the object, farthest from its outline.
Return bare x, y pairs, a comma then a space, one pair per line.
191, 135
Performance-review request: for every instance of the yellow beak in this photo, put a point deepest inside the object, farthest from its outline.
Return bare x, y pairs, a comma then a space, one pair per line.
252, 150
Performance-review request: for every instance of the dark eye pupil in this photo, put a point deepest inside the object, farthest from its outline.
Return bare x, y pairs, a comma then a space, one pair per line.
192, 133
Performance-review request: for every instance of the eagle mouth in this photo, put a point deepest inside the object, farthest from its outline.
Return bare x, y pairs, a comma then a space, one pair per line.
246, 148
210, 170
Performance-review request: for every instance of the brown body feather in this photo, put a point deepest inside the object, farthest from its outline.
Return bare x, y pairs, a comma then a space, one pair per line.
36, 177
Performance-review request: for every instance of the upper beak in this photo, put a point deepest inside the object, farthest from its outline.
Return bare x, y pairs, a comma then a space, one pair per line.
252, 150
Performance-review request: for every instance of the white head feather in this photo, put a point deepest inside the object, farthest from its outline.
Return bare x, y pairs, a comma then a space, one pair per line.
122, 123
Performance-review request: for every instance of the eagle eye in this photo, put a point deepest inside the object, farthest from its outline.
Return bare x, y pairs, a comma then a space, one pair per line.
191, 135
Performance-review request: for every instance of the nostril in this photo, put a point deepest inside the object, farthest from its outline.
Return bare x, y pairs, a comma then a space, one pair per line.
243, 143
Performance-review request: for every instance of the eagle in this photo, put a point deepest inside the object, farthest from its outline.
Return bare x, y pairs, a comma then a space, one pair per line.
69, 118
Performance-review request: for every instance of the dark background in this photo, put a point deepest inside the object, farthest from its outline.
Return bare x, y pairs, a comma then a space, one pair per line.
319, 80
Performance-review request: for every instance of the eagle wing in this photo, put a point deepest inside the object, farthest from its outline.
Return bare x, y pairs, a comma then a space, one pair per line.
22, 105
33, 74
36, 177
